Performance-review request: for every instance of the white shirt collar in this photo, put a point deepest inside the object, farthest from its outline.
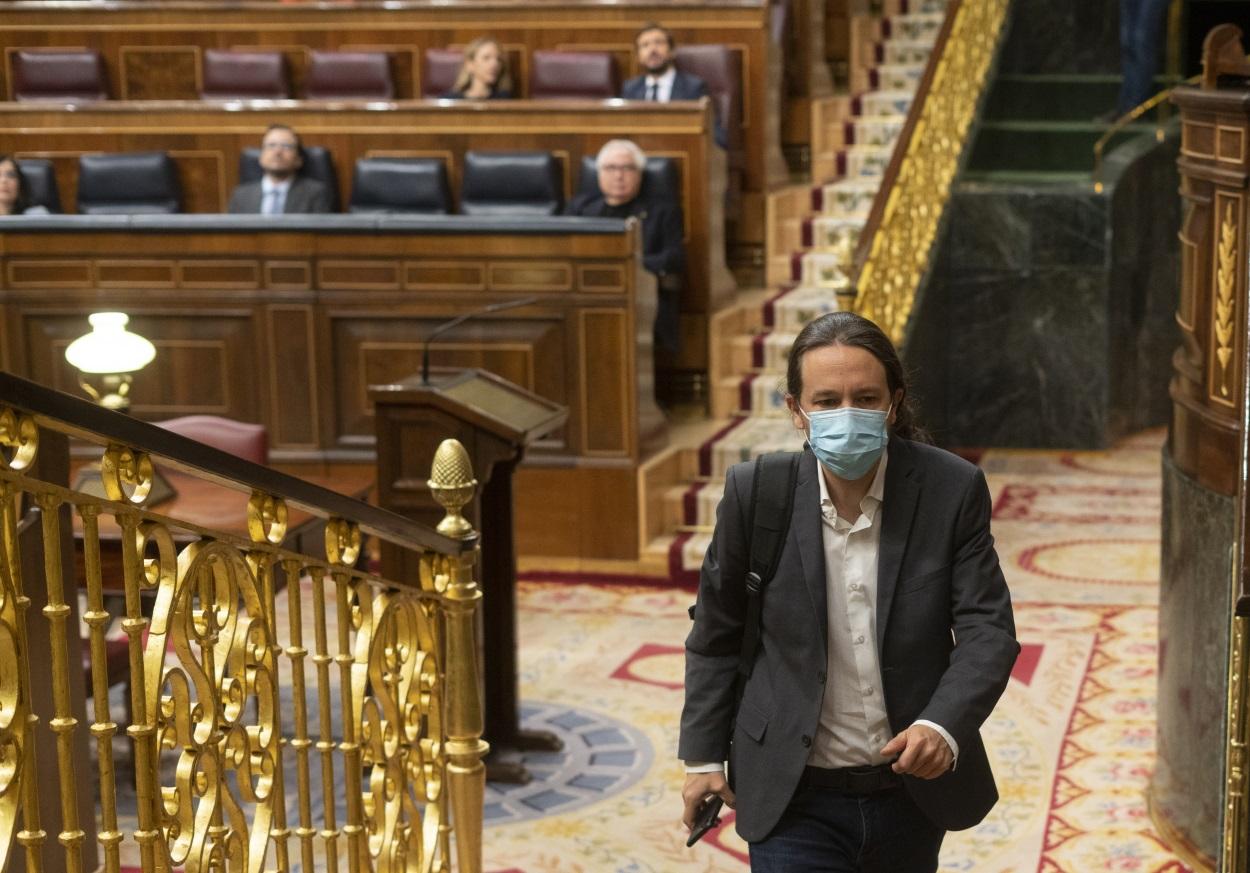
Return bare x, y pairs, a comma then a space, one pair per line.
267, 184
872, 500
666, 79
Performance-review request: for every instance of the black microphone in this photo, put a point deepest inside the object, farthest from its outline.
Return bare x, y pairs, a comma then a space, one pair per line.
461, 319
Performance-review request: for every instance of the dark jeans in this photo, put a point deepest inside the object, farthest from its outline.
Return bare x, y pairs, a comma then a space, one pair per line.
1141, 44
824, 831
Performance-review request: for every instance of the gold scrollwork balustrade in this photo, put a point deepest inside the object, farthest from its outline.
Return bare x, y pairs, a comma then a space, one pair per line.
903, 226
241, 757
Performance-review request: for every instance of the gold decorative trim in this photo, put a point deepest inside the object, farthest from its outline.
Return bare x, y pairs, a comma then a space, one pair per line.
898, 256
1225, 307
1236, 838
1177, 843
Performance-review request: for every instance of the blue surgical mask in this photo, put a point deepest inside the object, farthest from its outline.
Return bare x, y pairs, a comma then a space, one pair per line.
848, 441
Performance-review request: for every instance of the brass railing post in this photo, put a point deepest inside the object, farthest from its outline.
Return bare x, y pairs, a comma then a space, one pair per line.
452, 484
17, 737
1236, 842
394, 694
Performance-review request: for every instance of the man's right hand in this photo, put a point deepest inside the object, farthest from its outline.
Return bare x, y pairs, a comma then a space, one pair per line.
699, 786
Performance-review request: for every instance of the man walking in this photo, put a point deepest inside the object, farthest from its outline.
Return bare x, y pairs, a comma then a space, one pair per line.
885, 638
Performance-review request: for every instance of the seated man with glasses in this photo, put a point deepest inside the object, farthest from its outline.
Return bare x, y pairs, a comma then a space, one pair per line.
282, 190
620, 167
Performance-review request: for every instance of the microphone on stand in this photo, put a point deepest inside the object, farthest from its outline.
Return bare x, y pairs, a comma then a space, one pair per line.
461, 319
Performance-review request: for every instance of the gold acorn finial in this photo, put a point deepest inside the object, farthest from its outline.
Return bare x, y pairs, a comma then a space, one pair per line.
452, 484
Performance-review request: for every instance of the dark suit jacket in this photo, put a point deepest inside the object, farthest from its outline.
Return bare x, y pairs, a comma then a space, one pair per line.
686, 86
306, 195
937, 573
663, 253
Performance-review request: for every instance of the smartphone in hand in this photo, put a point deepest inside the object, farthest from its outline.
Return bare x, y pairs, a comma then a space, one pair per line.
706, 818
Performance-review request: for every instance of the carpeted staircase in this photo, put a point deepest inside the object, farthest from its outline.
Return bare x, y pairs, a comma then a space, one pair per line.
1035, 134
814, 229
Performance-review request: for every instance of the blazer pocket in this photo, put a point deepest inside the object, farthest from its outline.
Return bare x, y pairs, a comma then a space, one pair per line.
751, 721
915, 583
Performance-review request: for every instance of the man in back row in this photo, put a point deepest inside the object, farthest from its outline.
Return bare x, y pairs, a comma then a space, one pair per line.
620, 166
662, 81
281, 191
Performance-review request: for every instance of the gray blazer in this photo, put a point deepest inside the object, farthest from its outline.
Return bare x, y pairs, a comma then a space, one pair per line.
306, 195
937, 575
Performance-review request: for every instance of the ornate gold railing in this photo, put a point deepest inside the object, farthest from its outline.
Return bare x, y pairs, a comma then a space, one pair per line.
898, 239
286, 710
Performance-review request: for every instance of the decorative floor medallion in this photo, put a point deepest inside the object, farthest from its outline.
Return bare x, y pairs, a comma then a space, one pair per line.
601, 757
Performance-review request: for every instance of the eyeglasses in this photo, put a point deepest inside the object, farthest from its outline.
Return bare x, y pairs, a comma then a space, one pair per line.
618, 168
284, 146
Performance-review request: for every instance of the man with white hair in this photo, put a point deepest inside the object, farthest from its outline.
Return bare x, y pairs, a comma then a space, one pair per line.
620, 166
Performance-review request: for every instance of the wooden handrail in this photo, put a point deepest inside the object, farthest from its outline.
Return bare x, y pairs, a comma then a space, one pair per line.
83, 419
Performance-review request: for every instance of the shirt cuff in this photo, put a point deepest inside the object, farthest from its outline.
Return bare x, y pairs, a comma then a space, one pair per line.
704, 767
950, 741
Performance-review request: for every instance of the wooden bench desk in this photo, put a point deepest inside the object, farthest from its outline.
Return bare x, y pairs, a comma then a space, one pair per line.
287, 320
153, 51
205, 140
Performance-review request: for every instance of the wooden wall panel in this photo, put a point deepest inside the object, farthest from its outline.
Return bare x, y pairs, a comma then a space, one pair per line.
159, 72
202, 363
269, 344
379, 348
605, 374
294, 386
1207, 387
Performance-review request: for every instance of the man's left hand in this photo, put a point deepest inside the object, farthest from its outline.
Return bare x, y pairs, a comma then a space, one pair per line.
921, 752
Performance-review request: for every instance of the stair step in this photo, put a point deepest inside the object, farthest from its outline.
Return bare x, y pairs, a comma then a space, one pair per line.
1065, 146
1054, 97
1026, 178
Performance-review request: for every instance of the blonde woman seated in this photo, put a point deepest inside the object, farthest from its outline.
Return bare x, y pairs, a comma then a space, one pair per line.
483, 74
14, 199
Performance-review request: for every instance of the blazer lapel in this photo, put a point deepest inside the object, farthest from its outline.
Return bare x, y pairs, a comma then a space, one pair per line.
898, 507
805, 522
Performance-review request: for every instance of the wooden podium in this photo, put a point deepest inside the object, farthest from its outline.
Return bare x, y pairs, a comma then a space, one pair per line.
495, 420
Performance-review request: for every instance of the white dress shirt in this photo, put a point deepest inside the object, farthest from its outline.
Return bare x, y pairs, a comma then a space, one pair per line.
853, 722
273, 196
663, 85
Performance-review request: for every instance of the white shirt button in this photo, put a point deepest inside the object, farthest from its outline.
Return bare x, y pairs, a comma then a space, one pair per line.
859, 639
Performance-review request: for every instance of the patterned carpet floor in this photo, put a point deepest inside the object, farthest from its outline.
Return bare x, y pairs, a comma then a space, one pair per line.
1072, 742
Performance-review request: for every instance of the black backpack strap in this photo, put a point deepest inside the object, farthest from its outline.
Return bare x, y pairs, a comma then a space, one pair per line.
772, 503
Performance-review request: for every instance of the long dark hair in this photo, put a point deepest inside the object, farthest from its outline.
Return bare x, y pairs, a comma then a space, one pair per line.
849, 329
23, 196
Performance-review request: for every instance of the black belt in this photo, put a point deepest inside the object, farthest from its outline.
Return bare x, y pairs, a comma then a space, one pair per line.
851, 780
